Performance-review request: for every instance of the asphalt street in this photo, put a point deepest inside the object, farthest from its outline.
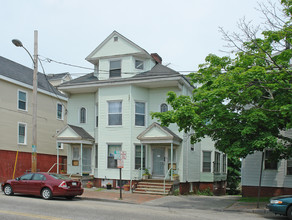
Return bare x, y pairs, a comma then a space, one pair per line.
26, 207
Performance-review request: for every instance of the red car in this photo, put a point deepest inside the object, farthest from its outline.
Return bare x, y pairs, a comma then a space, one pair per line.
46, 185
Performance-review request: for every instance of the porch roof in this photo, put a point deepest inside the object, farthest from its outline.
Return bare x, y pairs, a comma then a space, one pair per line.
74, 134
155, 133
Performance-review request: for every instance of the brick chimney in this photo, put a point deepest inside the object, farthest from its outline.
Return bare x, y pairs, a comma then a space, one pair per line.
157, 58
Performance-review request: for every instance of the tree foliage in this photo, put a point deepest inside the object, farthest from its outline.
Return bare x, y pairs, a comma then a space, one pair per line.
244, 103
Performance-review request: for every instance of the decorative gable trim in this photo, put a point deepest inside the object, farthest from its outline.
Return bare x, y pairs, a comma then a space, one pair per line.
113, 35
155, 133
74, 134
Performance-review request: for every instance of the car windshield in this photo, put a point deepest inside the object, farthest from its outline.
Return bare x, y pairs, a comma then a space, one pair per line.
59, 176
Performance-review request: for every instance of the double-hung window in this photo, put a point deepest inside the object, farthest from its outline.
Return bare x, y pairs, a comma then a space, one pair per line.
83, 115
22, 100
139, 113
217, 163
22, 133
112, 162
163, 107
115, 113
289, 166
207, 161
138, 157
224, 169
115, 68
59, 111
270, 162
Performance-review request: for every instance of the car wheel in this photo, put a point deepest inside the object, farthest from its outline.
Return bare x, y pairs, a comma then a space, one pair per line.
289, 213
70, 197
8, 190
47, 193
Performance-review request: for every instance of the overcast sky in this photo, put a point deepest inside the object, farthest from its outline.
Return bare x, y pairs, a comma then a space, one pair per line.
182, 32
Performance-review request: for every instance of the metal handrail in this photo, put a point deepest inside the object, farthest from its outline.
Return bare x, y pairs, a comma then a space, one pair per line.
165, 179
55, 165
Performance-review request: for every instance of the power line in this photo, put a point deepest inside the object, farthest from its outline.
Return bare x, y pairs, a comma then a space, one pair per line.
49, 60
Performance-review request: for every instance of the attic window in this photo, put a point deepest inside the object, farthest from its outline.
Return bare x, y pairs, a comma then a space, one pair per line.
116, 39
115, 68
139, 64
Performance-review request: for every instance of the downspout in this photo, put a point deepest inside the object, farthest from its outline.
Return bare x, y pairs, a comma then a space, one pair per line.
81, 164
57, 158
171, 161
131, 143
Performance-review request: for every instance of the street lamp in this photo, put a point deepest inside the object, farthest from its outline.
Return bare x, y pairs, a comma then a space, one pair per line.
18, 43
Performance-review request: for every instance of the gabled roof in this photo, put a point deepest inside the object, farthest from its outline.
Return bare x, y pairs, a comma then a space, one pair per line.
155, 133
115, 33
20, 73
74, 134
57, 76
158, 70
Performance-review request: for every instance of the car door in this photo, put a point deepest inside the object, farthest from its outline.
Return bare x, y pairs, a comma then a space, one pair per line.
21, 183
36, 183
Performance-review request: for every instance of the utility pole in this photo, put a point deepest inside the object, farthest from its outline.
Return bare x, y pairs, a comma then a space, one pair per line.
34, 59
34, 105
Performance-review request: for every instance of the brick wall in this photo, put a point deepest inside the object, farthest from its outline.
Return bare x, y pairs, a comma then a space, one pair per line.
252, 191
7, 161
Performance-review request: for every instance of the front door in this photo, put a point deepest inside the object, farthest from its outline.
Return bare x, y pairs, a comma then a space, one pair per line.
86, 160
158, 161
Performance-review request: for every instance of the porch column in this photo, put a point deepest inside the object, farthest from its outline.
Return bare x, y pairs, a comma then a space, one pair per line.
141, 160
171, 161
81, 164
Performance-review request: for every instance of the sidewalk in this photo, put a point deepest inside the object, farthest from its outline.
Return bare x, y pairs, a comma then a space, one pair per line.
114, 195
219, 203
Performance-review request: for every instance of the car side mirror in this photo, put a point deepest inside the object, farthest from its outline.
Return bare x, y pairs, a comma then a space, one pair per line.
17, 178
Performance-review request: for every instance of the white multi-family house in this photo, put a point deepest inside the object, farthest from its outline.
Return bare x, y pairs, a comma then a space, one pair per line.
109, 122
276, 175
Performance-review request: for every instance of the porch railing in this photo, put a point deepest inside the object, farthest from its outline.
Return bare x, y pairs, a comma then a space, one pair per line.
166, 176
54, 166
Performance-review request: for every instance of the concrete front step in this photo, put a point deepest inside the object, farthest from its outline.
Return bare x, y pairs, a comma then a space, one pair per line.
150, 192
153, 187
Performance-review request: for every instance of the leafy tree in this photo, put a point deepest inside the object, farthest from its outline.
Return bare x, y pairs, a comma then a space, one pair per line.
244, 103
233, 175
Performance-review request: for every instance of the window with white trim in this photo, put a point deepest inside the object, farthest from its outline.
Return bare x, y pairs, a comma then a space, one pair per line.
115, 68
270, 162
139, 113
22, 100
96, 115
60, 145
22, 133
163, 107
138, 157
139, 64
83, 115
111, 161
207, 161
60, 114
224, 168
115, 113
289, 166
217, 162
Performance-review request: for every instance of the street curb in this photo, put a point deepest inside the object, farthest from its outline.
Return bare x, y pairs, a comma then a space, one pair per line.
105, 200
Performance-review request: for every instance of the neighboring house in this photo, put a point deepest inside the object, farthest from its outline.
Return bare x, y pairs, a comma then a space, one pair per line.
109, 112
59, 78
276, 177
16, 120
